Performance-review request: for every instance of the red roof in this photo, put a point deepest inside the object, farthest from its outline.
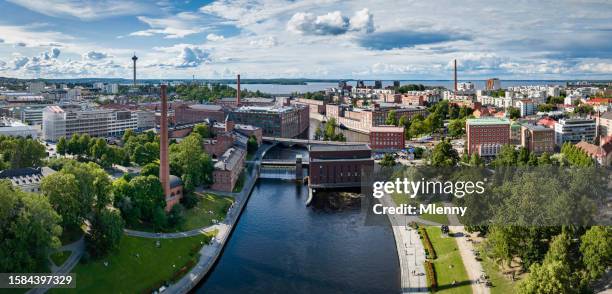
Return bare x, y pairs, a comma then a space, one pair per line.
547, 122
600, 101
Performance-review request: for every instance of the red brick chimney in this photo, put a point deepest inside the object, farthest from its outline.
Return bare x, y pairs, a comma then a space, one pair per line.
238, 91
455, 76
164, 165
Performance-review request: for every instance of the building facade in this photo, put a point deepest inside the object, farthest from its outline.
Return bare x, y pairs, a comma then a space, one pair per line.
275, 121
387, 138
339, 166
574, 130
537, 139
485, 136
228, 169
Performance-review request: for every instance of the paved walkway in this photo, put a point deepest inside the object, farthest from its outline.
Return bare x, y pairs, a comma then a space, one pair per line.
472, 266
77, 249
410, 251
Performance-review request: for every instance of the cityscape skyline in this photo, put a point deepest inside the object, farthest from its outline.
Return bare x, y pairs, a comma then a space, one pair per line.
305, 39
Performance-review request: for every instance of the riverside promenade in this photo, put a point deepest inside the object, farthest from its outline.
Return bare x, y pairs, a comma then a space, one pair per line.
211, 252
410, 251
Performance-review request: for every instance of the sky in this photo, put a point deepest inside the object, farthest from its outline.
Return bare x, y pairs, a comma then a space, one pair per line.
384, 39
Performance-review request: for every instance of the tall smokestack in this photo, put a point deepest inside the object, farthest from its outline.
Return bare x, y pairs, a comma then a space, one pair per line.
134, 58
455, 76
164, 165
238, 90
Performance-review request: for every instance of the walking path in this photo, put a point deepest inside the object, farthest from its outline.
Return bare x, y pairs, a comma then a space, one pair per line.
410, 251
472, 266
77, 249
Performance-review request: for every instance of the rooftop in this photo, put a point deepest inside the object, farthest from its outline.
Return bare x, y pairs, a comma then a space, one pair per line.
229, 159
488, 121
211, 107
387, 129
357, 147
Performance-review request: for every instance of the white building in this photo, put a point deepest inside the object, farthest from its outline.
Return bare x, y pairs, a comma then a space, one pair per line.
526, 106
13, 128
575, 130
36, 87
64, 122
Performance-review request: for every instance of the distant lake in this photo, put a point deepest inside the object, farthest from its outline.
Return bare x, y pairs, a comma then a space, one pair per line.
311, 87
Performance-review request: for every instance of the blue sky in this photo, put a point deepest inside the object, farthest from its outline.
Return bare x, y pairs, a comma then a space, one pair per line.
383, 39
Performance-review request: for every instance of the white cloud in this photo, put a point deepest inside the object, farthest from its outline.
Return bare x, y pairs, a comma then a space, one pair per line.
214, 37
177, 26
95, 55
363, 20
85, 9
20, 61
332, 23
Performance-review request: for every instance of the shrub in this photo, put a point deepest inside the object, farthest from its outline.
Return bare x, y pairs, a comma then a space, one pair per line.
429, 249
431, 275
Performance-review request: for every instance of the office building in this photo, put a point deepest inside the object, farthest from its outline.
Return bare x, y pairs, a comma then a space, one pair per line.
64, 121
537, 139
574, 130
387, 138
604, 124
526, 107
274, 121
486, 136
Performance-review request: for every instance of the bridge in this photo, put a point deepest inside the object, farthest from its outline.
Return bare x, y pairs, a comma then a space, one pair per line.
310, 142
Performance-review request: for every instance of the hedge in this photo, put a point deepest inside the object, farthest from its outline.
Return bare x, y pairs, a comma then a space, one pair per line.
429, 249
431, 275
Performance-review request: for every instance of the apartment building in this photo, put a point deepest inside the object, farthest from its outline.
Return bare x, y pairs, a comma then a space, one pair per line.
574, 130
537, 139
274, 121
387, 138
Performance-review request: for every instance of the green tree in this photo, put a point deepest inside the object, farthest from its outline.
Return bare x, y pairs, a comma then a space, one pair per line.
94, 184
513, 112
391, 118
188, 159
30, 230
507, 156
105, 232
596, 249
203, 130
456, 128
63, 193
147, 196
387, 160
544, 159
554, 275
252, 145
61, 146
21, 152
73, 146
444, 155
176, 216
523, 156
475, 160
151, 169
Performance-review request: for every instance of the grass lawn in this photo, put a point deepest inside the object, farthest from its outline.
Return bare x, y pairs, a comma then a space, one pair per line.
59, 258
240, 183
448, 255
200, 215
128, 272
439, 218
500, 283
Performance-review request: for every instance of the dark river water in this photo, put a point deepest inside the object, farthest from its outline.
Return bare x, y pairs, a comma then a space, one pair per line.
282, 246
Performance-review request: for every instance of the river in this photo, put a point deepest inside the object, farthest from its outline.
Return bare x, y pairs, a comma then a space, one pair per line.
282, 246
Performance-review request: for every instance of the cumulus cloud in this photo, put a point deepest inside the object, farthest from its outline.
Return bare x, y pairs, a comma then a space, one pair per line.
20, 61
363, 20
55, 52
265, 42
214, 37
95, 55
176, 26
192, 57
331, 23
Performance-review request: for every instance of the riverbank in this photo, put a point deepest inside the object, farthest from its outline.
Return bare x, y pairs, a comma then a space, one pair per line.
210, 253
